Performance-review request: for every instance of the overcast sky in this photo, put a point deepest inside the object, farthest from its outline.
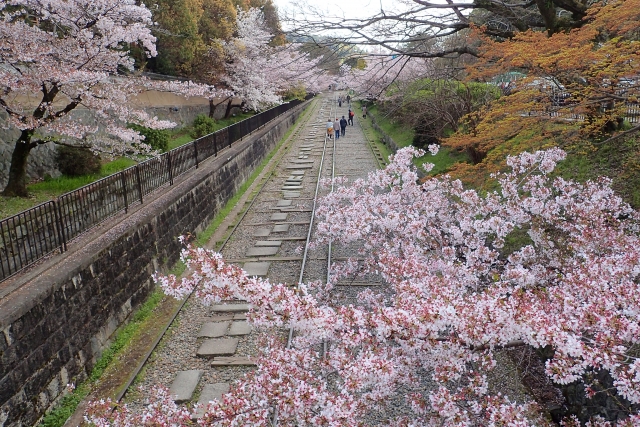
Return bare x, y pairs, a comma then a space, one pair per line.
348, 8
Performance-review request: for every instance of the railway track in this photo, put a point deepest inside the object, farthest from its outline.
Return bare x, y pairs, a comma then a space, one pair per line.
208, 347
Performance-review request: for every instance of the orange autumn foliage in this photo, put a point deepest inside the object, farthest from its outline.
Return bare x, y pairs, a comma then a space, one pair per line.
572, 95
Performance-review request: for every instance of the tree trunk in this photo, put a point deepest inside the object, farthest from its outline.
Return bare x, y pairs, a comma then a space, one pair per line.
227, 113
17, 185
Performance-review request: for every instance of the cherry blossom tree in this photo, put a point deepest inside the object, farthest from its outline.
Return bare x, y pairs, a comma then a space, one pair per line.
540, 262
381, 72
258, 72
249, 68
70, 55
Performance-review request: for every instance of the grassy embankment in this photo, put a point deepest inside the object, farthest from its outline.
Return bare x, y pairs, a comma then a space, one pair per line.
403, 136
618, 160
40, 192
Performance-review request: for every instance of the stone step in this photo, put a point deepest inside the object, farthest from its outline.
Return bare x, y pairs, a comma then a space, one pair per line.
214, 329
268, 243
262, 251
309, 166
184, 385
259, 269
221, 317
280, 228
283, 203
240, 328
358, 284
291, 194
210, 392
218, 347
280, 216
230, 308
261, 232
233, 361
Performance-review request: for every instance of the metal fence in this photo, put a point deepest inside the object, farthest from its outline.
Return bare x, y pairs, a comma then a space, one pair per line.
30, 235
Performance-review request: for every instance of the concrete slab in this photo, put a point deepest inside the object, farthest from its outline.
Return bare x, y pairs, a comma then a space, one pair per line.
279, 216
185, 384
268, 243
297, 173
230, 308
259, 269
261, 232
300, 166
241, 316
302, 162
262, 251
295, 178
303, 157
214, 329
291, 194
283, 203
221, 317
233, 361
281, 228
218, 347
240, 328
210, 392
292, 187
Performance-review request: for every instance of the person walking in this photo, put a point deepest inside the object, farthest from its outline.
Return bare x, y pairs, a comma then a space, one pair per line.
351, 114
349, 100
364, 111
343, 125
340, 101
336, 128
330, 128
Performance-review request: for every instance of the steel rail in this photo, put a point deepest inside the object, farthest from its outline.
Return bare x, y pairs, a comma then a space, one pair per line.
274, 419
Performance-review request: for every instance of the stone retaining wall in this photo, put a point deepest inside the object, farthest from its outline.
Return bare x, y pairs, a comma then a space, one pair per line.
386, 139
56, 319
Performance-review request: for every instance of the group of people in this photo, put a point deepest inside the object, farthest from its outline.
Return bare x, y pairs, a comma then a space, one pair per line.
338, 127
341, 100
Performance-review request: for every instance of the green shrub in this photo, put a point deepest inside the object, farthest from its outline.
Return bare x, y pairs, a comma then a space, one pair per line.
77, 161
158, 139
203, 125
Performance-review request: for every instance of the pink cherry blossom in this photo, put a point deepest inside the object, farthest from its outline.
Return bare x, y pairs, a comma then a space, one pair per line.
542, 261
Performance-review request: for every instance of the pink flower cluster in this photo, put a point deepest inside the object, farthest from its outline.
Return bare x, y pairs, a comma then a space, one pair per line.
542, 261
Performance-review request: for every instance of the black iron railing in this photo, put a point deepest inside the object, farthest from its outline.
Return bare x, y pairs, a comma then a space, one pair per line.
30, 235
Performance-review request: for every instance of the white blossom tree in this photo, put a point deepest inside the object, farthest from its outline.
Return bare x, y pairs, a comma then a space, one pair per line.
381, 72
258, 72
540, 262
70, 55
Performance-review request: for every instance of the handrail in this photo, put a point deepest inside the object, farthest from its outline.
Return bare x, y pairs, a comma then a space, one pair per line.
48, 227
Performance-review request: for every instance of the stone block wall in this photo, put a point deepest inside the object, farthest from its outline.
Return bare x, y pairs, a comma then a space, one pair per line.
56, 319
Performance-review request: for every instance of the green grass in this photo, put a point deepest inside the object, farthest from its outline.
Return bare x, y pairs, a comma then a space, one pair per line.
619, 160
179, 137
68, 404
403, 137
52, 188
